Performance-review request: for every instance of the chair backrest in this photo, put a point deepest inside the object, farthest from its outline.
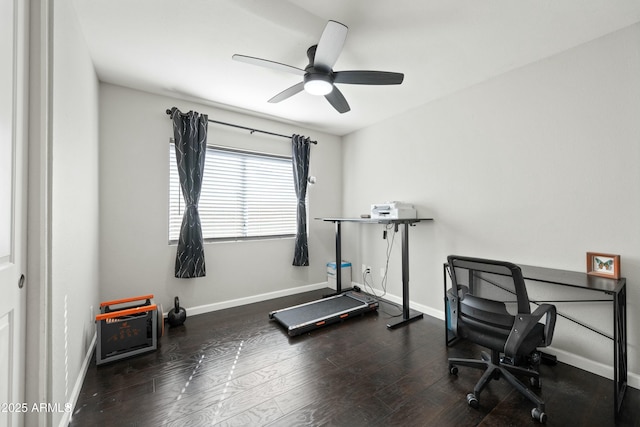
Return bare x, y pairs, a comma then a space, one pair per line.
505, 280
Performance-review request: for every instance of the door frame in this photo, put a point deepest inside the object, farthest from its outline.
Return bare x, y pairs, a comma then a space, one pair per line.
38, 384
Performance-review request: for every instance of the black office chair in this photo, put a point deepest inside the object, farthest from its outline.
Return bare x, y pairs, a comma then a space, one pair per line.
483, 311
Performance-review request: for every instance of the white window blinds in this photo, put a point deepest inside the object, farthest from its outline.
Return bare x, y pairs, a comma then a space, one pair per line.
244, 195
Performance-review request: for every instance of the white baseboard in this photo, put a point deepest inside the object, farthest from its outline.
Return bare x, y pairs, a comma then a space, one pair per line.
606, 371
77, 387
633, 380
200, 309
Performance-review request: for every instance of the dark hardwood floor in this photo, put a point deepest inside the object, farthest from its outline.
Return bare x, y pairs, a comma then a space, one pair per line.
235, 367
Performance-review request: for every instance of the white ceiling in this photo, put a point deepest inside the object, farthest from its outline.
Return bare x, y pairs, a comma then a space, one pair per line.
183, 48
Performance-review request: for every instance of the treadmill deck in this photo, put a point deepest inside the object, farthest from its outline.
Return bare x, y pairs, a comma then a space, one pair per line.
302, 318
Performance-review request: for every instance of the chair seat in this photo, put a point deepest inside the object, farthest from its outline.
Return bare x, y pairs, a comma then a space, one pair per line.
494, 338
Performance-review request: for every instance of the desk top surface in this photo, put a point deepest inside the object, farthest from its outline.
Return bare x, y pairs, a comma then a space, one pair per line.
573, 278
375, 220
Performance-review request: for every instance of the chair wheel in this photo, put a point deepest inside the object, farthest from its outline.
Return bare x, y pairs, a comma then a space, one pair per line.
453, 370
473, 401
538, 415
535, 382
535, 358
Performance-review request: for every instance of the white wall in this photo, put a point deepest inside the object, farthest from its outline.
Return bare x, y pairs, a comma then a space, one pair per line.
537, 166
136, 258
74, 195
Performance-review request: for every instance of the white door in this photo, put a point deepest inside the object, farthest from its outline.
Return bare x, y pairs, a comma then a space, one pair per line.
12, 211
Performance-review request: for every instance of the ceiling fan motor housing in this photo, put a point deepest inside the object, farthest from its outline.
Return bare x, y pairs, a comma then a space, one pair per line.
317, 81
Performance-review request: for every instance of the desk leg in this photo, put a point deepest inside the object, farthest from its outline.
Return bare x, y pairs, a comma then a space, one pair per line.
338, 259
339, 289
619, 348
408, 315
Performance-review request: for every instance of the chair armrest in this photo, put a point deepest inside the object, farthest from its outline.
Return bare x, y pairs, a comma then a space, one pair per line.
524, 323
549, 321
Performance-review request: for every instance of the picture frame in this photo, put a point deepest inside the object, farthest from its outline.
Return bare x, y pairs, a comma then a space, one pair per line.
603, 265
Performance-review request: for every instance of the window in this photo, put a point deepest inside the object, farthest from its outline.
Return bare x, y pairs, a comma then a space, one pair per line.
244, 195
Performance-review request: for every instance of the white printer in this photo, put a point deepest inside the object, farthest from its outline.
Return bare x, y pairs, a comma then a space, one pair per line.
393, 210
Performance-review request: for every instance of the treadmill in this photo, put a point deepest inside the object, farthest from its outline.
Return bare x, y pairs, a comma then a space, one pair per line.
302, 318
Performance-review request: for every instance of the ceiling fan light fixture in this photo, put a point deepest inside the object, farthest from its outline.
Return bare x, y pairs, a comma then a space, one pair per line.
318, 84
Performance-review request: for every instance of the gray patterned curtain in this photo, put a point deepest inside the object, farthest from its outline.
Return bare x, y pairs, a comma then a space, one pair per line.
300, 153
190, 134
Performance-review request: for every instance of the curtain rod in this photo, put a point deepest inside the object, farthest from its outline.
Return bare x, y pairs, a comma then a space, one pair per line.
249, 129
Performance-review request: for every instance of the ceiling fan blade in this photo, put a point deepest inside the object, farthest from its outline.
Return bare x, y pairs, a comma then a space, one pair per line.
368, 77
330, 45
269, 64
337, 99
287, 93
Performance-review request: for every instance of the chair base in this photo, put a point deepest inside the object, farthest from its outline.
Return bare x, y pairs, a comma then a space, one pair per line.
494, 368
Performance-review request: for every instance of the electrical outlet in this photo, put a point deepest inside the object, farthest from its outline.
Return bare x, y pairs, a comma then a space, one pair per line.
366, 269
382, 272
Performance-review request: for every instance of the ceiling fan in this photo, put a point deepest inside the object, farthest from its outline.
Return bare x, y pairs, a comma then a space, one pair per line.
319, 77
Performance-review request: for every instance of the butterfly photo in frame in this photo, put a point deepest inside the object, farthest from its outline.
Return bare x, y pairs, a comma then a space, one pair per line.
603, 265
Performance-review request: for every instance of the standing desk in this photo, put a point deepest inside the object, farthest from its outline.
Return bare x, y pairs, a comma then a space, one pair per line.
408, 314
616, 291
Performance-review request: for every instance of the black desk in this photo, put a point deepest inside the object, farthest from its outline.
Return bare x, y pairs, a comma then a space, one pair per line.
616, 291
407, 314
